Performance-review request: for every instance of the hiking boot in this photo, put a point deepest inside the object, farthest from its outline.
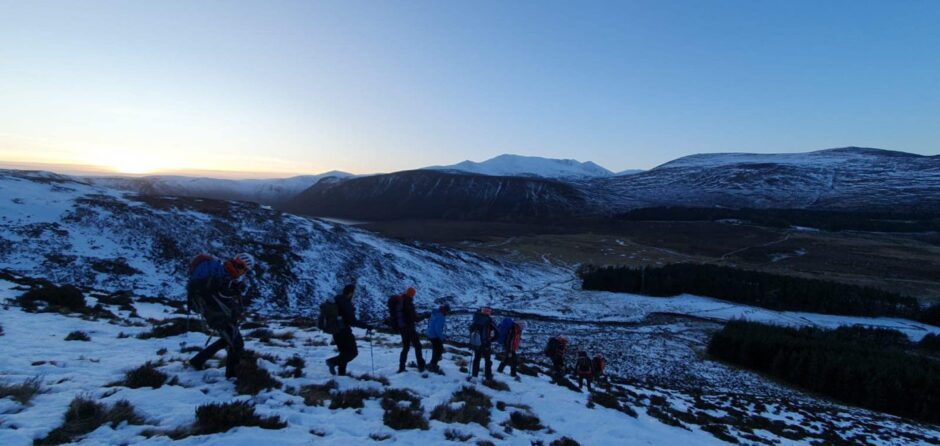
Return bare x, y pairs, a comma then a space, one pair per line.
197, 365
421, 368
332, 366
401, 370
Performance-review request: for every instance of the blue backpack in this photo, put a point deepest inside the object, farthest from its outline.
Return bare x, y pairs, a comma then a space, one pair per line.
503, 330
205, 275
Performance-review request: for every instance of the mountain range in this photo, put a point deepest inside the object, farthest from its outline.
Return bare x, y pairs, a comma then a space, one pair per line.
267, 191
530, 166
128, 252
518, 188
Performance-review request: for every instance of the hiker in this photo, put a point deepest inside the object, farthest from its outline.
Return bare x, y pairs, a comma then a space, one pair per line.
437, 327
406, 319
482, 333
555, 350
597, 366
584, 368
343, 335
510, 335
214, 291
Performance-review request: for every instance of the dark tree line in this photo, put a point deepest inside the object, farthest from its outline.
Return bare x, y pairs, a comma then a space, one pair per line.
774, 291
872, 368
784, 218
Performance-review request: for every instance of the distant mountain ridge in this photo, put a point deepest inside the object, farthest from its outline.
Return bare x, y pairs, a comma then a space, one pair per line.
273, 192
513, 188
429, 194
848, 178
529, 166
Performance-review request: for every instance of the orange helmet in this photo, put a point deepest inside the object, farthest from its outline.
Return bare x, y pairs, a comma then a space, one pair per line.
410, 292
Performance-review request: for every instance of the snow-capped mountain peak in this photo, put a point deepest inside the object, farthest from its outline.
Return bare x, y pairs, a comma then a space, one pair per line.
519, 165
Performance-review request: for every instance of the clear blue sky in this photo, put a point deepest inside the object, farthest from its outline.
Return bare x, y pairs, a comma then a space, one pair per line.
384, 85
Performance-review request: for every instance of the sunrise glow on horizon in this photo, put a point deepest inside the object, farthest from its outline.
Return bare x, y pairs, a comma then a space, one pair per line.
243, 89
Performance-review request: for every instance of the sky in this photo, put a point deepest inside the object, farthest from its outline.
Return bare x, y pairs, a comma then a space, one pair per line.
283, 87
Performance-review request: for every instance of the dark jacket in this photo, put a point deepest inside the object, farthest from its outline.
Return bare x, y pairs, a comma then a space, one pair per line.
347, 312
407, 316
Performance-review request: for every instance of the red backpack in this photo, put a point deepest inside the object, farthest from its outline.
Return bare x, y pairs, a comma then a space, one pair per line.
516, 337
598, 364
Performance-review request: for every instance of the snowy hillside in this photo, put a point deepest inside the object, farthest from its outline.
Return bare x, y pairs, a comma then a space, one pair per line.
147, 395
265, 191
73, 232
429, 194
518, 165
848, 179
839, 179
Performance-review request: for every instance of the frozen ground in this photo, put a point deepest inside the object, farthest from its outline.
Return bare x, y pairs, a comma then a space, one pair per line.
65, 231
33, 345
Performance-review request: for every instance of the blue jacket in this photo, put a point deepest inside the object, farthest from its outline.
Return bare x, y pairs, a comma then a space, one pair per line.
437, 325
209, 269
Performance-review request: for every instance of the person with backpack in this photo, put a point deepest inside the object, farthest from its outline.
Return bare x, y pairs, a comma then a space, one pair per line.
342, 333
482, 333
435, 332
406, 319
214, 291
584, 368
510, 335
598, 364
555, 350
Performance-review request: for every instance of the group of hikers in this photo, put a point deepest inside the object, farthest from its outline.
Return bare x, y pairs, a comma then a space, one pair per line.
215, 289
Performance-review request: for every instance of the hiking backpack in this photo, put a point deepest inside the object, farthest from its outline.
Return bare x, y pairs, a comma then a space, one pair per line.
480, 330
196, 261
516, 337
199, 283
329, 320
584, 366
394, 303
556, 346
503, 330
598, 364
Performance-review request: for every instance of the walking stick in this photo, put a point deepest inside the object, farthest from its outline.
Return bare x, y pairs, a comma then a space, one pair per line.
371, 355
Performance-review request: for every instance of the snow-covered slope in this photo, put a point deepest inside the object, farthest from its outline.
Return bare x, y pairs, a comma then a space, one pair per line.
632, 413
518, 165
265, 191
845, 179
70, 231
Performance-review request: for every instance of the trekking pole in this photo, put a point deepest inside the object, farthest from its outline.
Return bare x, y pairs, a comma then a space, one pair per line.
371, 354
